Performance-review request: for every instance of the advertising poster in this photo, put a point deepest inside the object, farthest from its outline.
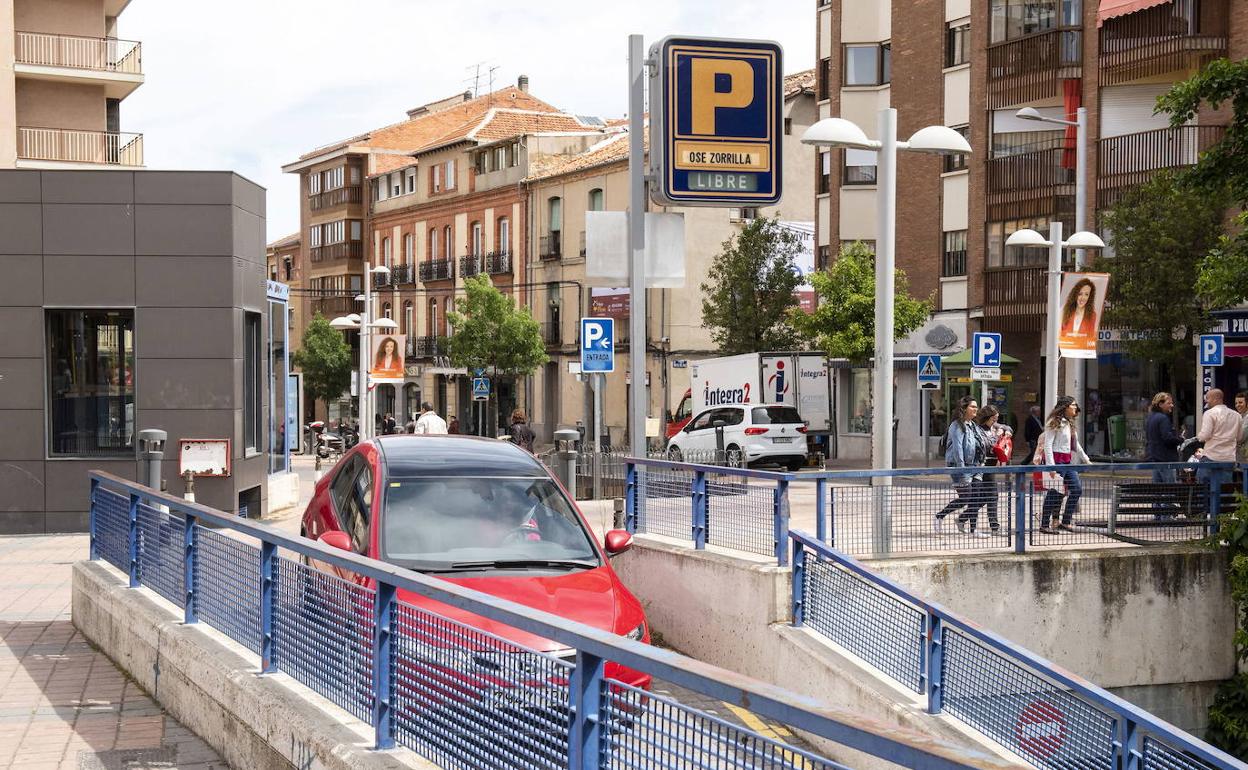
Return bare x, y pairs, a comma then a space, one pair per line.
387, 358
1082, 302
804, 263
609, 303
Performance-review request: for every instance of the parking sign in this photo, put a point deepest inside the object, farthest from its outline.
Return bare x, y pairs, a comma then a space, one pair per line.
598, 345
986, 349
1211, 349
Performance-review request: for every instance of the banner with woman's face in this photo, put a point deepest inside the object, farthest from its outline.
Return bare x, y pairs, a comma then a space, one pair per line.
1082, 302
386, 362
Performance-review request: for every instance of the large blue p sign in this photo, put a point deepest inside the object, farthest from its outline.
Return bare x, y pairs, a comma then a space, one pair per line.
1211, 349
986, 349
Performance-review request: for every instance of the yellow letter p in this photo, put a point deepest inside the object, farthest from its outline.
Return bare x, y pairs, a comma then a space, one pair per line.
705, 99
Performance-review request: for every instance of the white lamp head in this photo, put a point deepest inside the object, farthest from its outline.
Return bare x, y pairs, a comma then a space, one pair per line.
838, 132
1085, 240
354, 318
381, 270
384, 323
360, 298
1029, 113
938, 140
1026, 237
342, 322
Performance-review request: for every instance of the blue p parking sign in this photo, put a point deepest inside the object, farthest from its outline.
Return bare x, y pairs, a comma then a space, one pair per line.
598, 345
1212, 349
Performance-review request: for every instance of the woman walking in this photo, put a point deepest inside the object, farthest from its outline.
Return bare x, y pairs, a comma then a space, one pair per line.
965, 449
995, 453
1061, 447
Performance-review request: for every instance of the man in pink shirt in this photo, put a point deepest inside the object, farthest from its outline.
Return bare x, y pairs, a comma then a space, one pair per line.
1219, 428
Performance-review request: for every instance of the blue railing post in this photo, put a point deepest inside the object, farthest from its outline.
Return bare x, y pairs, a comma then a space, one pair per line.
831, 516
133, 536
821, 510
701, 509
585, 741
1215, 499
383, 664
799, 584
1020, 512
630, 496
268, 553
94, 552
780, 520
190, 554
935, 663
1132, 752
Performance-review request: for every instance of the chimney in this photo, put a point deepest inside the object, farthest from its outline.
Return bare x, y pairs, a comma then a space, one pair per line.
523, 83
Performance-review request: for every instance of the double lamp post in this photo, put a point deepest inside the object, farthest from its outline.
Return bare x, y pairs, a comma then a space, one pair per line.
364, 324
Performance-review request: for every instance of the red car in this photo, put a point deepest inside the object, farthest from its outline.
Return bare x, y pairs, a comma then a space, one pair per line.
484, 514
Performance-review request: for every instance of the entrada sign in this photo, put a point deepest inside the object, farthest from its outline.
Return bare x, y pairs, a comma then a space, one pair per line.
716, 111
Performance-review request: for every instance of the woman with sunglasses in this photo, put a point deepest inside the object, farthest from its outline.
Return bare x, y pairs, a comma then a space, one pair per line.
1061, 447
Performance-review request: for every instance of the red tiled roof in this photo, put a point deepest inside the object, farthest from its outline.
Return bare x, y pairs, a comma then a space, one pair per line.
281, 243
503, 123
798, 82
612, 149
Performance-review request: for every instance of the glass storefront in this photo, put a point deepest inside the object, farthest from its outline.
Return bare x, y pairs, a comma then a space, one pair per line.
279, 432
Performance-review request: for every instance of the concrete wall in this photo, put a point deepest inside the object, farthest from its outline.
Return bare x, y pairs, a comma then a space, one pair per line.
185, 250
60, 17
48, 104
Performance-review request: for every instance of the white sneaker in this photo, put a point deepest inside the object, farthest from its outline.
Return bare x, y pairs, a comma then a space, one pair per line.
978, 533
939, 526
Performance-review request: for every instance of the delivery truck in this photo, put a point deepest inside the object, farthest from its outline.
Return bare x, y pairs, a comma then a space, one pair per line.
795, 379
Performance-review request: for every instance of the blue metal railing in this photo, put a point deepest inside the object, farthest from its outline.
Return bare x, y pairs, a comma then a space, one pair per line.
1025, 703
919, 509
451, 692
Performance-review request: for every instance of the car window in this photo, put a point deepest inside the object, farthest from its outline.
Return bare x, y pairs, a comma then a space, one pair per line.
702, 421
683, 410
448, 523
729, 416
342, 484
775, 415
353, 500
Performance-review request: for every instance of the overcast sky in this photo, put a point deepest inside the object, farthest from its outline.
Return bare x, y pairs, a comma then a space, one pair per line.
250, 85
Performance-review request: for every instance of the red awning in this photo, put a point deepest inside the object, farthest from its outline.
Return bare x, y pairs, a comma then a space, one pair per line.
1111, 8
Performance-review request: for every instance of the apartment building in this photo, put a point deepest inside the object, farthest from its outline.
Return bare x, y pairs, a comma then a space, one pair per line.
972, 66
63, 75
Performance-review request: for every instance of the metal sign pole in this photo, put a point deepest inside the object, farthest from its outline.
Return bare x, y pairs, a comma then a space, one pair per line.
636, 245
598, 384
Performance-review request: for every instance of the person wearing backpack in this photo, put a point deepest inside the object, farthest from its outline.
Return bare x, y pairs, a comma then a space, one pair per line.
964, 448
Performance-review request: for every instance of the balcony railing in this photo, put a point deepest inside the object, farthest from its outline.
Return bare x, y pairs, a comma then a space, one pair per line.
344, 250
550, 333
342, 196
550, 246
109, 148
953, 264
332, 307
105, 54
1015, 296
400, 274
469, 264
383, 280
498, 262
437, 270
426, 347
1026, 183
1180, 35
1129, 160
1033, 67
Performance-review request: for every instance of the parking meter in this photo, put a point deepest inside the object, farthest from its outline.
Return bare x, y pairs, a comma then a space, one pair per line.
151, 452
565, 454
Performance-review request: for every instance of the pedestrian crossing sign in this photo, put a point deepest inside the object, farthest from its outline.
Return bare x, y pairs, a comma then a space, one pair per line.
929, 372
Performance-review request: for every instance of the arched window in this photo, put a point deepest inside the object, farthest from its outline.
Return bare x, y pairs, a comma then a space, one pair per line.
476, 238
387, 311
595, 200
503, 245
408, 310
447, 307
433, 243
409, 249
387, 255
554, 214
434, 331
449, 241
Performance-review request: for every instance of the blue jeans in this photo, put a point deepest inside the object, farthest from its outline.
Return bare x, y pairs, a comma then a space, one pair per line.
1164, 476
1053, 500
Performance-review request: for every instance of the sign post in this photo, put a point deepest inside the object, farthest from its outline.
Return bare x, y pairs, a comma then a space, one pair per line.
597, 358
985, 361
928, 378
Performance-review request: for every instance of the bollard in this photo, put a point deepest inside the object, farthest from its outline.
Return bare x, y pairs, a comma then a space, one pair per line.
151, 452
188, 478
565, 458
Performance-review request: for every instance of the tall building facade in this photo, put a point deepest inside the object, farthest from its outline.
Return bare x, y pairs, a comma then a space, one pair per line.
64, 73
973, 66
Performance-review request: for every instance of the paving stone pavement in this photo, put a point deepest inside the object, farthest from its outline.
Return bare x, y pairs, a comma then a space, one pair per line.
63, 704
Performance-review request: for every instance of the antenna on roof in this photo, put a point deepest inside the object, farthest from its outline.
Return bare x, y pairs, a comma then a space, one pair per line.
475, 75
491, 73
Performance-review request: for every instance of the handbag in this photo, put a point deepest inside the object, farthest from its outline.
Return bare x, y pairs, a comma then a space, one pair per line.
1003, 450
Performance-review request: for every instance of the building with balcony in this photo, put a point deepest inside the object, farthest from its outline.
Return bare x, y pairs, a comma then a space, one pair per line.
972, 66
63, 75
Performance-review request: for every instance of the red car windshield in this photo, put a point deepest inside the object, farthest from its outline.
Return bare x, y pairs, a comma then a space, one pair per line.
462, 524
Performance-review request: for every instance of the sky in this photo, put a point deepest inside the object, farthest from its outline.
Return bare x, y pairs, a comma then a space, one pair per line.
248, 85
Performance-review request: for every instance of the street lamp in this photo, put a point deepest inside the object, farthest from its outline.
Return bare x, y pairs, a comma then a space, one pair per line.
1028, 238
941, 140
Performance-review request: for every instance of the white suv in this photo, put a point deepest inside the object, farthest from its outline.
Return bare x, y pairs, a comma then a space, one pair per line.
754, 434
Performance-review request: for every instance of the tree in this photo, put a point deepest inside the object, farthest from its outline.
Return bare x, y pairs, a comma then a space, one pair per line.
1160, 233
747, 300
843, 324
325, 360
492, 333
1220, 174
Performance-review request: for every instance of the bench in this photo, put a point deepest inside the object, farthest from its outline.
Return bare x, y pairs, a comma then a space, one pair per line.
1136, 505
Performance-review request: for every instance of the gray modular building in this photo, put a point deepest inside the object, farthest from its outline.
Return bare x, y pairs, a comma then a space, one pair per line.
130, 300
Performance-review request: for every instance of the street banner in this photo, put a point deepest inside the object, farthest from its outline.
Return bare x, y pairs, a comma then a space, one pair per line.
387, 358
1082, 303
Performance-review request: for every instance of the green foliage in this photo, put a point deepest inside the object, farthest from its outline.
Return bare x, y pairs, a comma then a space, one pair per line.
1159, 233
325, 360
492, 333
1221, 172
843, 323
1228, 716
746, 302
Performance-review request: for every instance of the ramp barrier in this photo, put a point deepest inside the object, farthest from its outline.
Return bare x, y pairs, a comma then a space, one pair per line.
1028, 705
452, 693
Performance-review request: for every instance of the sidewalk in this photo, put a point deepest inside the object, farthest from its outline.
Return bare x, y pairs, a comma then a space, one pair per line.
62, 703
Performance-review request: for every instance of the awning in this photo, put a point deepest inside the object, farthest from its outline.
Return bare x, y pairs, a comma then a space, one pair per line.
1111, 8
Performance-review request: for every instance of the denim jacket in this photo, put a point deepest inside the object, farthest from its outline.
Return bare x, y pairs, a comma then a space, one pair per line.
966, 449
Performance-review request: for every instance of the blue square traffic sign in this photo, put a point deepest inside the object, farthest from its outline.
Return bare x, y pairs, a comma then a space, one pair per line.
929, 370
598, 345
986, 349
1212, 349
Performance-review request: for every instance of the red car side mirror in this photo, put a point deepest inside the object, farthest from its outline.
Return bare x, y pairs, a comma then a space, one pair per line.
618, 541
338, 539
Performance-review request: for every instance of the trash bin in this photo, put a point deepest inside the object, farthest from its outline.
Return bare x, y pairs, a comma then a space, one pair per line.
1117, 433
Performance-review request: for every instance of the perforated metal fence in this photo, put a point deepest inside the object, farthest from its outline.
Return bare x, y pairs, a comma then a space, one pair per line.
1024, 703
451, 692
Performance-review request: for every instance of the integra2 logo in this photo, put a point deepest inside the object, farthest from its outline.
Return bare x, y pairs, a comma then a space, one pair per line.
717, 396
780, 381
